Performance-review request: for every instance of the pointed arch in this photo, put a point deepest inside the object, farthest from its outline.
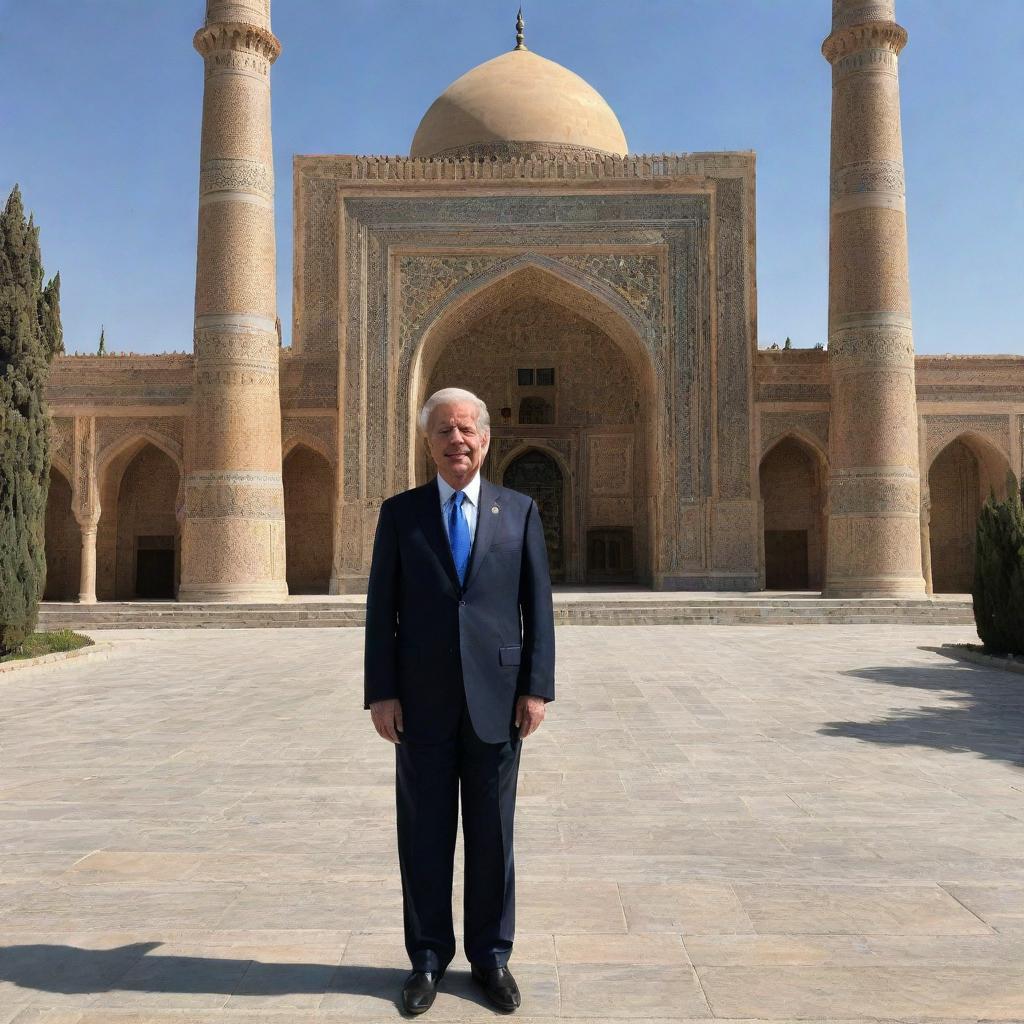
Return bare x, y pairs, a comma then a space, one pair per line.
133, 442
308, 440
536, 292
802, 437
959, 479
62, 536
308, 481
792, 479
993, 462
552, 494
544, 278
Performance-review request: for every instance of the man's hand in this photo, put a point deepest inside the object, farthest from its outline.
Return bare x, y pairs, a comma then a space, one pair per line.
386, 716
529, 714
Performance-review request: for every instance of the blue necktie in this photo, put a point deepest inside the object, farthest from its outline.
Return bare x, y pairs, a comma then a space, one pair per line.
458, 535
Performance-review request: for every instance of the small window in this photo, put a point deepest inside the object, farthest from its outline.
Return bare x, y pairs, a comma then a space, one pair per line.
525, 378
546, 376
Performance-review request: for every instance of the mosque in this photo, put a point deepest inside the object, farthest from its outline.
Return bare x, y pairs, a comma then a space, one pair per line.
602, 303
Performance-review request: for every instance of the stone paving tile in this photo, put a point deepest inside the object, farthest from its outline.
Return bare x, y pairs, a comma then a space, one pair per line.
886, 992
793, 822
858, 909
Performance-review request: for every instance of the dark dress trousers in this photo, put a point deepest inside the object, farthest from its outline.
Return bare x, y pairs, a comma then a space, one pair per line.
457, 657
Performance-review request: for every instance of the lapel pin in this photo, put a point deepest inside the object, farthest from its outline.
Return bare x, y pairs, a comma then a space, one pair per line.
495, 509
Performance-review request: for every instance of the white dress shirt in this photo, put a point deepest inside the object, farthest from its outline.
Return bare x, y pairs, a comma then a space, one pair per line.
469, 505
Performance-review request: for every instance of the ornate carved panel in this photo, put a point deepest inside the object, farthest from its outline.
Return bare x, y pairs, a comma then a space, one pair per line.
777, 424
943, 429
167, 429
610, 469
320, 432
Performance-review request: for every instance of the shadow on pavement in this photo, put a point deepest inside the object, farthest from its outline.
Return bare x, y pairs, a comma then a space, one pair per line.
982, 711
70, 969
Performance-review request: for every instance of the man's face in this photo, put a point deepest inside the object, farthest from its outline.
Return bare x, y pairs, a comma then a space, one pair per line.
455, 443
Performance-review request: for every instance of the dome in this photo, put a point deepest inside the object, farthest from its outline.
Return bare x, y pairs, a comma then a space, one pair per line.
517, 104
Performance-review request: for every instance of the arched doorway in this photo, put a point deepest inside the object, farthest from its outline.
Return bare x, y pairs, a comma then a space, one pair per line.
308, 513
63, 542
791, 478
562, 371
961, 477
147, 538
537, 474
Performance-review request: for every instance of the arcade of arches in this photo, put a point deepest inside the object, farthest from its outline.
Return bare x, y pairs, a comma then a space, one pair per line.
138, 540
589, 539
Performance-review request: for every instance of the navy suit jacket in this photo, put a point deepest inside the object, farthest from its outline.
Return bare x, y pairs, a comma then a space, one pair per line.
427, 636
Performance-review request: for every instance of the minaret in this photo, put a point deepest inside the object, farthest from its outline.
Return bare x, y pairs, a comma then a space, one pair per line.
874, 541
232, 545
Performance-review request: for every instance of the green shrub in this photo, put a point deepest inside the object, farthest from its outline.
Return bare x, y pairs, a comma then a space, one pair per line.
30, 334
999, 574
38, 644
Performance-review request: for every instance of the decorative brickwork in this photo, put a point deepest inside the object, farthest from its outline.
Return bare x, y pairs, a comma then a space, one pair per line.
942, 430
232, 545
874, 545
807, 425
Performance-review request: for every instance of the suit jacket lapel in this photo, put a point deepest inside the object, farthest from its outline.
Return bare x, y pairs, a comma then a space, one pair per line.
433, 529
486, 527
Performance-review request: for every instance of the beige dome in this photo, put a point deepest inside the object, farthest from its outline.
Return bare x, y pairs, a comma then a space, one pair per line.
517, 104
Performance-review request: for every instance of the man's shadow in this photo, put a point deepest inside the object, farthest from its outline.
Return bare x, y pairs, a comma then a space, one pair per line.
73, 970
981, 710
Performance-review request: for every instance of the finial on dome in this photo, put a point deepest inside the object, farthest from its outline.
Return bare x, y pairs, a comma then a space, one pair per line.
520, 45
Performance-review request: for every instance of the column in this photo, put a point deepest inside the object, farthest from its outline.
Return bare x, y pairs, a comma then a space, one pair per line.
874, 542
87, 584
232, 545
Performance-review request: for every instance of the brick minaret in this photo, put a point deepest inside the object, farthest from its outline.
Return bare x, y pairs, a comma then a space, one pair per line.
233, 530
874, 543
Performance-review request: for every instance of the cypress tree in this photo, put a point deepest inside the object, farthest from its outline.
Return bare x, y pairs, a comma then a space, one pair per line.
102, 350
999, 573
30, 334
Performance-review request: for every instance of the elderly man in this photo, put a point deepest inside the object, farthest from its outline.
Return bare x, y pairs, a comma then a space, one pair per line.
460, 658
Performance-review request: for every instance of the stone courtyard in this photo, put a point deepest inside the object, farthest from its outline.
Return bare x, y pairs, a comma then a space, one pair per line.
767, 823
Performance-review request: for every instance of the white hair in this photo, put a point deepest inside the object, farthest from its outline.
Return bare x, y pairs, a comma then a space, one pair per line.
448, 396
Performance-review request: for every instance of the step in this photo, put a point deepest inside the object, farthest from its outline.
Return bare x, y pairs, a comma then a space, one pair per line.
631, 608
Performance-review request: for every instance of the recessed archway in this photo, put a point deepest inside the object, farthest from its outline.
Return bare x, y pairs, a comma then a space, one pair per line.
63, 541
791, 476
143, 562
309, 520
561, 366
960, 478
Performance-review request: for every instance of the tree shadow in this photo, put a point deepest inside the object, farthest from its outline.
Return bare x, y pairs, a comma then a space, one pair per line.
73, 970
983, 710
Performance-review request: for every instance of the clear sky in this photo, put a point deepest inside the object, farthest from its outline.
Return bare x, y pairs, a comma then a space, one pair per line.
101, 104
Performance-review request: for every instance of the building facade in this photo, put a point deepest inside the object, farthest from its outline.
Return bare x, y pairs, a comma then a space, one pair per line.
603, 305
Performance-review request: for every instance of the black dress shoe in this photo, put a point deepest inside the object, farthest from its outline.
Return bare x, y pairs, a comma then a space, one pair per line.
499, 986
419, 990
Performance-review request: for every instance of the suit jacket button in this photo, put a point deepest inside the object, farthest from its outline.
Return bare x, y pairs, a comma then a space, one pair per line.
462, 604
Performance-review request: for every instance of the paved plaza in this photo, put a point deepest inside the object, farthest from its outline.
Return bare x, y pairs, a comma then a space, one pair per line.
756, 823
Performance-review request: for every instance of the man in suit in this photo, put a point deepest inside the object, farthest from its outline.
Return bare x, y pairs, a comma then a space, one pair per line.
460, 658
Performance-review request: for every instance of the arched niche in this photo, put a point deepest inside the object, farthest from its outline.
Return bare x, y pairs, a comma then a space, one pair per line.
792, 479
309, 519
138, 548
591, 374
63, 540
538, 473
961, 477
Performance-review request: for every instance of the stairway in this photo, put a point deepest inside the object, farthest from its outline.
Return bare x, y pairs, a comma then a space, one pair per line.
572, 607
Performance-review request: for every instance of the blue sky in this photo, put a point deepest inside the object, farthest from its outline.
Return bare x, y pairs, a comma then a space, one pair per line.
101, 129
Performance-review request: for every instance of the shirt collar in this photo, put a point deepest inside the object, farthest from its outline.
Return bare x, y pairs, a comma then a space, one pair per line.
471, 490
